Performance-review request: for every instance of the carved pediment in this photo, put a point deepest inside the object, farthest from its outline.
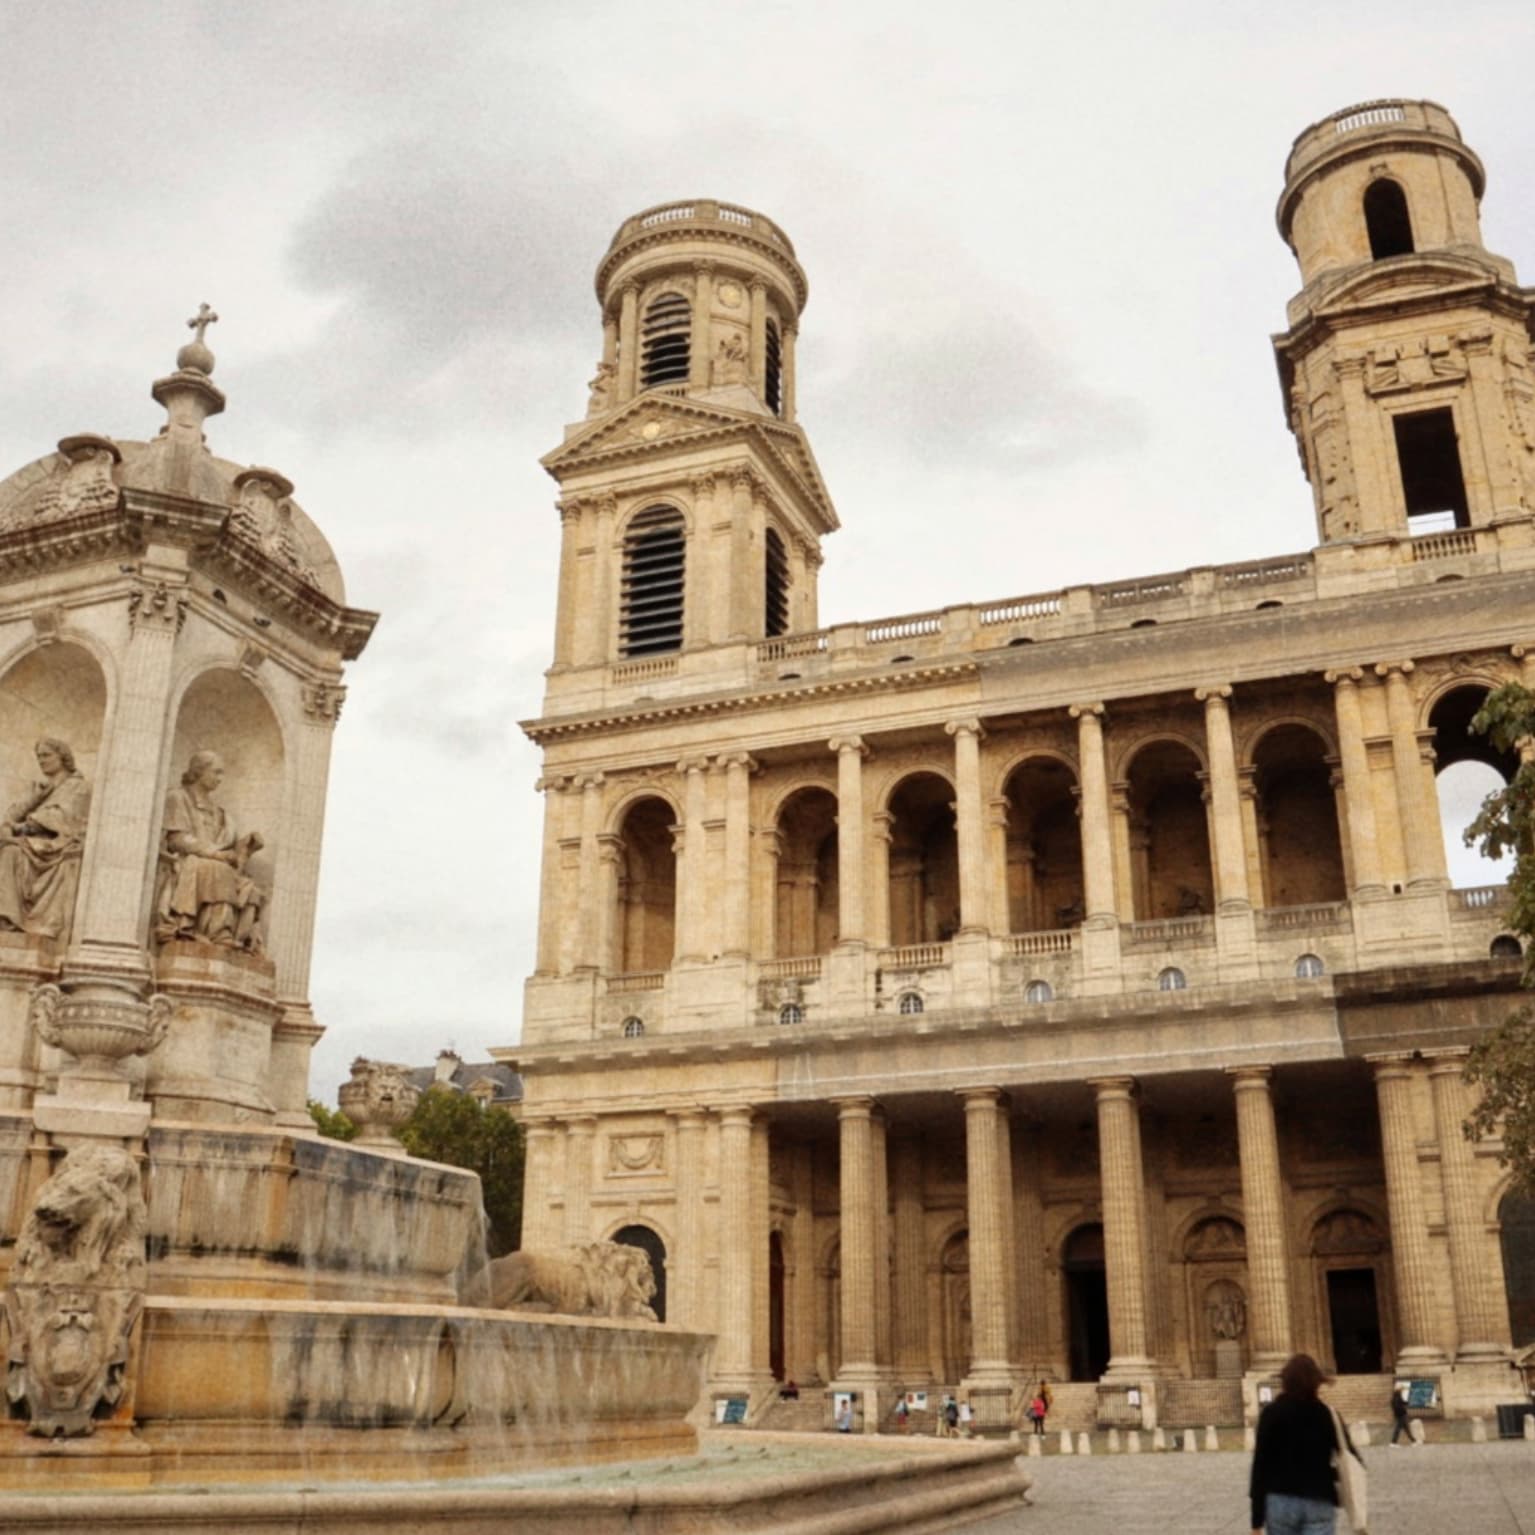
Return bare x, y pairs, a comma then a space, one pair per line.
1405, 278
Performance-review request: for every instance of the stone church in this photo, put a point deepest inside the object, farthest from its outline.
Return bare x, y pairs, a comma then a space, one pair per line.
1069, 985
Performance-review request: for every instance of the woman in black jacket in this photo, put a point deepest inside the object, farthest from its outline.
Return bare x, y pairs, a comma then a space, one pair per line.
1293, 1488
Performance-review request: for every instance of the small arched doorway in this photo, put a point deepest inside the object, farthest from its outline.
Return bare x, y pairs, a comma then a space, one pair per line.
649, 1242
1516, 1216
1087, 1302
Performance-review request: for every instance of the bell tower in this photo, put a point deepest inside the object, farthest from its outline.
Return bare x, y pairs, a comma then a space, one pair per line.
691, 505
1406, 367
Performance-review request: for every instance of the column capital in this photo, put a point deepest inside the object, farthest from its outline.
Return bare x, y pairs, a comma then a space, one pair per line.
553, 783
758, 285
841, 744
1250, 1076
1341, 675
1389, 1067
1519, 652
630, 289
854, 1108
589, 783
965, 727
570, 509
1106, 1088
581, 1124
688, 765
1085, 711
737, 761
1448, 1062
980, 1097
737, 1116
694, 1118
1216, 693
702, 268
1390, 669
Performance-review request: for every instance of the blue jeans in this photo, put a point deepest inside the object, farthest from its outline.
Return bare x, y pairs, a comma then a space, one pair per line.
1284, 1515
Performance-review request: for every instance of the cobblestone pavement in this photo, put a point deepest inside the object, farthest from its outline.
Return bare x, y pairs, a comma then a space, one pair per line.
1452, 1489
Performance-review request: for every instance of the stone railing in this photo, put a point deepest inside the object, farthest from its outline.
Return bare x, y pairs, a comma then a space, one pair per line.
639, 671
1148, 589
1017, 609
1323, 916
1169, 931
701, 211
1368, 117
912, 626
1444, 546
915, 956
1027, 945
636, 980
1479, 900
805, 968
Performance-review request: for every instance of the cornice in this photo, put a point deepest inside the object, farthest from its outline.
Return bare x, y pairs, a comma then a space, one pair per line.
714, 234
614, 720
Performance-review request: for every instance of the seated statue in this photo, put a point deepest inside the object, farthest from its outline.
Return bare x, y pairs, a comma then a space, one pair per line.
41, 839
204, 891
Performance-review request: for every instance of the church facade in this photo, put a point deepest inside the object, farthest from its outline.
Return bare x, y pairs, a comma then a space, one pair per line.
1068, 985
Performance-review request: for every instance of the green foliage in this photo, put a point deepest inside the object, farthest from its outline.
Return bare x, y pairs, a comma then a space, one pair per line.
457, 1129
331, 1122
1503, 1064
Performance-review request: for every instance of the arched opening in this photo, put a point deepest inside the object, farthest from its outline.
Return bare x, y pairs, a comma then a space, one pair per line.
649, 1242
665, 340
1169, 834
1215, 1279
651, 600
775, 586
1347, 1247
954, 1269
1467, 769
805, 920
1516, 1217
776, 1269
634, 1028
1387, 220
772, 381
1505, 946
924, 862
57, 695
1044, 848
647, 889
1298, 838
1087, 1302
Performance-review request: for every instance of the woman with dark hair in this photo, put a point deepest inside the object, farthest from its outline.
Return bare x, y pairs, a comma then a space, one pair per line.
1293, 1487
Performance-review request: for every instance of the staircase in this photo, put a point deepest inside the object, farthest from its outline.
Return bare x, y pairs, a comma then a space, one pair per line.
1195, 1403
1361, 1398
806, 1416
1075, 1407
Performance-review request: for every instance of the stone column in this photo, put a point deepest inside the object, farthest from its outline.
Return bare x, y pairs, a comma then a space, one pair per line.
610, 863
1225, 801
1480, 1320
580, 1138
739, 767
565, 601
880, 1199
850, 752
909, 1312
790, 333
989, 1298
601, 629
999, 900
759, 337
590, 785
628, 342
699, 352
1035, 1343
548, 960
610, 339
856, 1177
733, 1317
1409, 1223
685, 1263
770, 942
879, 878
970, 831
692, 894
1119, 1131
1097, 845
1357, 791
761, 1236
542, 1227
1268, 1261
1419, 819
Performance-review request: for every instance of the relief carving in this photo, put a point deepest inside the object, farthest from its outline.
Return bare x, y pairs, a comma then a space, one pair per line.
1226, 1310
635, 1153
204, 892
1413, 364
730, 360
263, 516
601, 390
152, 605
84, 482
41, 839
322, 702
76, 1290
597, 1279
378, 1099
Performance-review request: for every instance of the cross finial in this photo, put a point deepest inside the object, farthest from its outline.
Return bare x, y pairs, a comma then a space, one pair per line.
204, 317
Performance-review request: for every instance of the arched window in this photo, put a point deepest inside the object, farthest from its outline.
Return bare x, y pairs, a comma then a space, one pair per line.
1172, 979
633, 1027
1038, 991
1387, 220
1308, 967
1506, 946
664, 341
791, 1012
775, 586
650, 609
773, 371
910, 1002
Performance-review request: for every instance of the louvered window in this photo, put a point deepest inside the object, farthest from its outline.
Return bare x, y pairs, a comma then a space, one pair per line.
650, 618
773, 372
664, 341
775, 596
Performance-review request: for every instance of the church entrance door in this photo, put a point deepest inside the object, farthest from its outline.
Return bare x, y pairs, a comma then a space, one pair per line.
1355, 1316
775, 1306
1087, 1303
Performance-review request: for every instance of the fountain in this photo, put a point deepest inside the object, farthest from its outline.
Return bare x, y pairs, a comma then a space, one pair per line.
198, 1289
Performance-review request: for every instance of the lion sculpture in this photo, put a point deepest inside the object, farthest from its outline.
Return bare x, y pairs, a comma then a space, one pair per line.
597, 1279
76, 1289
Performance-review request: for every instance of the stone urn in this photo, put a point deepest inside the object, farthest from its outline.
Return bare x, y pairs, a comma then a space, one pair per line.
99, 1030
378, 1099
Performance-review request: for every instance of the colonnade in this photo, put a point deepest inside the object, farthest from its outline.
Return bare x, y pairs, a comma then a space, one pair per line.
882, 1322
726, 865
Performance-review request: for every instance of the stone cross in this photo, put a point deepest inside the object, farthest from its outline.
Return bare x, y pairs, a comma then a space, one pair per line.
201, 321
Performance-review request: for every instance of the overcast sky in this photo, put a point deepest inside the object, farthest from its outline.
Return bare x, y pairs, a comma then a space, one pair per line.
1043, 272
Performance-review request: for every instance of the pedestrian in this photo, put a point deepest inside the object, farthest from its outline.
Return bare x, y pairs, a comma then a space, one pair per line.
949, 1418
966, 1418
1039, 1409
1293, 1488
845, 1418
1399, 1423
901, 1414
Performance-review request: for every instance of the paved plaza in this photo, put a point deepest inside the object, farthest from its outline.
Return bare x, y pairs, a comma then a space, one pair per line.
1470, 1489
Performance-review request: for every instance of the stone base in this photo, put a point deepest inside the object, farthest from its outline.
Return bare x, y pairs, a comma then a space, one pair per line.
1116, 1409
71, 1118
1228, 1359
1477, 1388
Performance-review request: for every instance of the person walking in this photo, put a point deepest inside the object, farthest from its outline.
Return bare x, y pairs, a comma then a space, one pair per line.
1293, 1489
1039, 1410
1399, 1421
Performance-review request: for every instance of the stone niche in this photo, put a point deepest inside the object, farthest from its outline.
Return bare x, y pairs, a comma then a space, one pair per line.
54, 690
215, 1062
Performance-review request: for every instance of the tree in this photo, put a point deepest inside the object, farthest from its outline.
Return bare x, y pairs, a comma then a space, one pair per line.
1503, 1064
331, 1122
453, 1127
